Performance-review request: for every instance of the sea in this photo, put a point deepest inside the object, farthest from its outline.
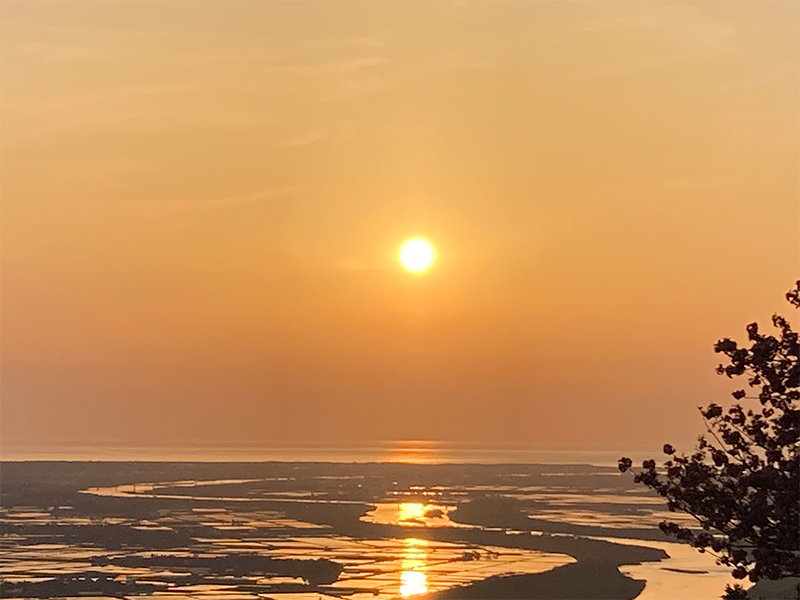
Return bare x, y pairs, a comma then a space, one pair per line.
397, 451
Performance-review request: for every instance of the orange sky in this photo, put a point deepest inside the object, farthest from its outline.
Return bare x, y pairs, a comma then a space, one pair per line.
202, 204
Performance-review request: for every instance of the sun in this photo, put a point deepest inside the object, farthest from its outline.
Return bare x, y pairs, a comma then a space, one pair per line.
416, 255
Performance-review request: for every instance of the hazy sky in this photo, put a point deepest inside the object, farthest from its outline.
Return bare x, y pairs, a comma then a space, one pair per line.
202, 204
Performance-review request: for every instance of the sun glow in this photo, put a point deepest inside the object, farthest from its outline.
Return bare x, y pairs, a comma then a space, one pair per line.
416, 255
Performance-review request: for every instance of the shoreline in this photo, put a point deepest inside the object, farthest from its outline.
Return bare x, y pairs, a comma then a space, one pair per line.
583, 580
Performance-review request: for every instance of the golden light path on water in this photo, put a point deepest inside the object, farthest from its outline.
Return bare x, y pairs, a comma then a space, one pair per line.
413, 578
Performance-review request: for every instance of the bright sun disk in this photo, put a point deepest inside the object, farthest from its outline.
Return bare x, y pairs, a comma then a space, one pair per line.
416, 254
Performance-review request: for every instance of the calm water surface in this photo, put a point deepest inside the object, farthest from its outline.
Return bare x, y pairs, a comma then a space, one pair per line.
417, 452
411, 566
403, 565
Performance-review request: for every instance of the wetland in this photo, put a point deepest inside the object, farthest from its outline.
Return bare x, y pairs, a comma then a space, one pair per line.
302, 530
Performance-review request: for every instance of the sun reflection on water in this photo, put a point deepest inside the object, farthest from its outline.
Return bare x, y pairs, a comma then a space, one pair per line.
413, 578
419, 452
410, 511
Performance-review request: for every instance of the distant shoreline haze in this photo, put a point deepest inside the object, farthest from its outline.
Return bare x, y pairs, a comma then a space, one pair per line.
421, 452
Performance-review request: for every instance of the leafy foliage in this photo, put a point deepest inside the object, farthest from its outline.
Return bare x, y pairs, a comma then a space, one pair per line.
735, 592
742, 483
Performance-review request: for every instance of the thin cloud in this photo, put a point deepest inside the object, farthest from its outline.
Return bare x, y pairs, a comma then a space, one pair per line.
227, 202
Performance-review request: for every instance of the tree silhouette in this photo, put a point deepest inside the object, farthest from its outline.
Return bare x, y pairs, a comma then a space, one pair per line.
742, 483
